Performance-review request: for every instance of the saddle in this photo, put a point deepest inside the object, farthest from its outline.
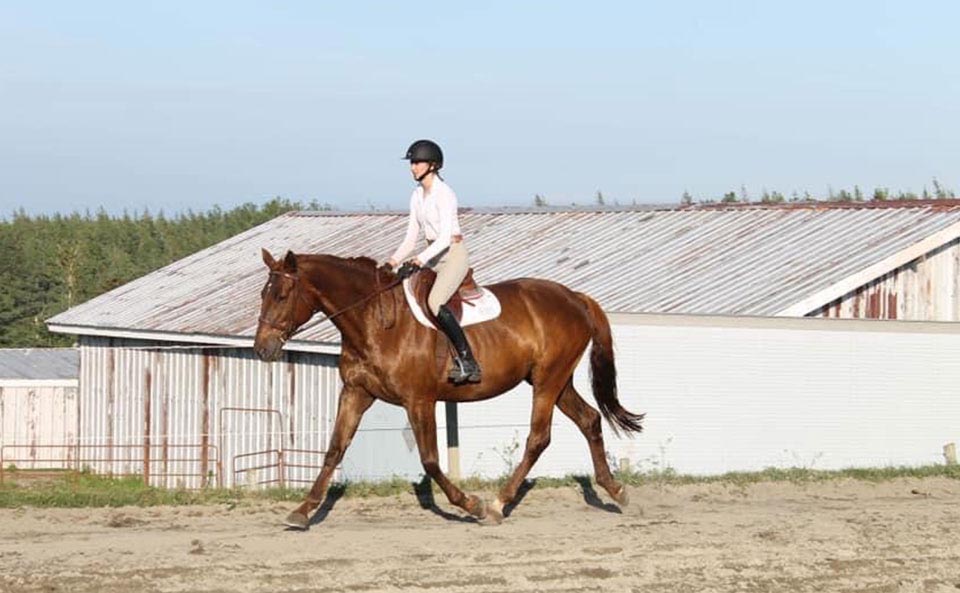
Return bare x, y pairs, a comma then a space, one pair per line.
468, 291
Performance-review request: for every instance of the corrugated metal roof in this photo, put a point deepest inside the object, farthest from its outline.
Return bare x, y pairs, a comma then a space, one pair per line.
708, 260
39, 363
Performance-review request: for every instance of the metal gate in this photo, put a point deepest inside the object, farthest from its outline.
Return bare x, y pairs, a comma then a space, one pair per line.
252, 440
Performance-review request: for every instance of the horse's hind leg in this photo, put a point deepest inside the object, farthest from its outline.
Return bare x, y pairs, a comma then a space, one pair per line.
587, 420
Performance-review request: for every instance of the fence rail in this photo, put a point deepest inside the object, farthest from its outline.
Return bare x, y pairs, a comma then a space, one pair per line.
202, 460
183, 463
278, 460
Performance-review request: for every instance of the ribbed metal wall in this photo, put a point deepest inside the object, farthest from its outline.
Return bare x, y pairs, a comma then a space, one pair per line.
927, 289
192, 416
35, 421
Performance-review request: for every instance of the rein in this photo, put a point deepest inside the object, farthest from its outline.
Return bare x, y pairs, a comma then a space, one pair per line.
296, 278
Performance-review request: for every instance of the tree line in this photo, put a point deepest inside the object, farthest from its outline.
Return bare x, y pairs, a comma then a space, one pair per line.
51, 263
936, 191
879, 194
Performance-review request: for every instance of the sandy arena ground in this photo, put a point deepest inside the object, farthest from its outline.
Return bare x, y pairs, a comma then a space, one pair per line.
837, 536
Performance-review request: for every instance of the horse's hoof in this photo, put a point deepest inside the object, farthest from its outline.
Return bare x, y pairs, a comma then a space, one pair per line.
494, 515
297, 520
622, 497
476, 507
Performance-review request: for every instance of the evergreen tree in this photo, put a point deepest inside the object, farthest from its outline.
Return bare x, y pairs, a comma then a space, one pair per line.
49, 264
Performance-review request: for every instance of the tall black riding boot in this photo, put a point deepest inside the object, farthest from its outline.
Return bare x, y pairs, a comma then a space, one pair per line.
465, 368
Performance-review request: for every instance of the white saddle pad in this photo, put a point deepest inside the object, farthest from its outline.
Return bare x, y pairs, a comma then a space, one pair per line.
483, 308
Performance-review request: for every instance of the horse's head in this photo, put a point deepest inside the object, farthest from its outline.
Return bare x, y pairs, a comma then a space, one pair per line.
283, 306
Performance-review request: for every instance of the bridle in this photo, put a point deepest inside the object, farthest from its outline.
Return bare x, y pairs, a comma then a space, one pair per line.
286, 332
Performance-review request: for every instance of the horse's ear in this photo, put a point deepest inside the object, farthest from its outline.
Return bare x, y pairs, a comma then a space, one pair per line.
268, 259
290, 260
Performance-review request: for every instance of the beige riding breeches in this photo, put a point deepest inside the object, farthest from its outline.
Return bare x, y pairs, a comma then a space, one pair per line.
451, 269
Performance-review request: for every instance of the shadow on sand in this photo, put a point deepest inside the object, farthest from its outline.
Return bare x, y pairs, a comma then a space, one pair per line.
334, 493
590, 496
424, 492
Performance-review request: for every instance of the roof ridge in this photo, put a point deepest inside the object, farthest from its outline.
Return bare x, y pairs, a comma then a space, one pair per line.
622, 208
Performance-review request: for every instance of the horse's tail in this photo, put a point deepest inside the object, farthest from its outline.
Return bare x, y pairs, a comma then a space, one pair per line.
603, 372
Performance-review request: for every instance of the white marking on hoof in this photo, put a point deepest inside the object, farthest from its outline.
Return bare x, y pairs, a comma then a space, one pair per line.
622, 497
494, 514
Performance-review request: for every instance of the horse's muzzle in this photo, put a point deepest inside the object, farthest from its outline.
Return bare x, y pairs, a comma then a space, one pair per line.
268, 349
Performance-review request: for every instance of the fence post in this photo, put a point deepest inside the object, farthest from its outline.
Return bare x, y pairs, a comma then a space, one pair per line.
453, 442
950, 453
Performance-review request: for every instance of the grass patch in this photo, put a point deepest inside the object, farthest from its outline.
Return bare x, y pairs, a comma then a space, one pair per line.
90, 490
794, 475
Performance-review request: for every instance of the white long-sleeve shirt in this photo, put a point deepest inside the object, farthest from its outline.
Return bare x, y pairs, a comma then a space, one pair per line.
436, 214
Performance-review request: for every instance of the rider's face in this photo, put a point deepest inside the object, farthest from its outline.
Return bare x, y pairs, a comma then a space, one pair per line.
419, 168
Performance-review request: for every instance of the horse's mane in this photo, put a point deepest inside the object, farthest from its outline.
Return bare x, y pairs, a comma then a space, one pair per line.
360, 264
363, 262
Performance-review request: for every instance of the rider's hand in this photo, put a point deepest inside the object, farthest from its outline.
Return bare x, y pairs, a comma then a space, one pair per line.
407, 269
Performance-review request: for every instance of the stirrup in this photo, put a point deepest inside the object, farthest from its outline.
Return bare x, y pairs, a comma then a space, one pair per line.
460, 374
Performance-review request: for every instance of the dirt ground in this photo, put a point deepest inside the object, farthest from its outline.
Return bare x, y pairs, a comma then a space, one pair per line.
837, 536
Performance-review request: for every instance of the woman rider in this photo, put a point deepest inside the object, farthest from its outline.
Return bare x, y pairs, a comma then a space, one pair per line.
433, 208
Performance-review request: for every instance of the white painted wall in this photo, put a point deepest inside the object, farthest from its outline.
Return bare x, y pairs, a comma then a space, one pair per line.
726, 394
37, 418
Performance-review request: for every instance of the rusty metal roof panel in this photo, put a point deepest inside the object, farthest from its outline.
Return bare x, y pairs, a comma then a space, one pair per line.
719, 260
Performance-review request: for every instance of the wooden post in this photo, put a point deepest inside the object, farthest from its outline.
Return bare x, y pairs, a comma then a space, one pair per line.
453, 442
950, 453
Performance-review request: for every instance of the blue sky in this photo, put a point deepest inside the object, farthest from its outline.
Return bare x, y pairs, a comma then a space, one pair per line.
176, 105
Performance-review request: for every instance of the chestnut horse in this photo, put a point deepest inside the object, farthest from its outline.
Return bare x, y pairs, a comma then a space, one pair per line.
542, 332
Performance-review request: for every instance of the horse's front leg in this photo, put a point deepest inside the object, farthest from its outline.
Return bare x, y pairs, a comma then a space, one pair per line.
423, 421
353, 403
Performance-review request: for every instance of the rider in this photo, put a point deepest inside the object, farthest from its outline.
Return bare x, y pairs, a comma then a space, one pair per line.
433, 207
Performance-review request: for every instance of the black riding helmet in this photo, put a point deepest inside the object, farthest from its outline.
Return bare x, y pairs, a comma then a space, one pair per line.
426, 151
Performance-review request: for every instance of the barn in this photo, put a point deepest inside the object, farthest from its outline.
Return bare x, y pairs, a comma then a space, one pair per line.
815, 335
39, 407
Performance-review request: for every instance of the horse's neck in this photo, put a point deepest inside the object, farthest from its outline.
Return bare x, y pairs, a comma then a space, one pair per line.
340, 285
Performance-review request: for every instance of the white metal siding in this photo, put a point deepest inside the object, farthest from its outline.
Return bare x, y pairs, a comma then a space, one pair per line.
734, 394
35, 422
384, 446
727, 398
264, 408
